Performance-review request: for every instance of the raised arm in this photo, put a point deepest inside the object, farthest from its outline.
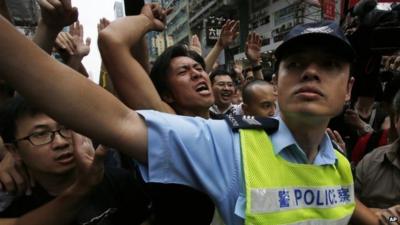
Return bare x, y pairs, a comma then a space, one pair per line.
120, 45
228, 34
72, 48
195, 44
68, 97
55, 15
253, 53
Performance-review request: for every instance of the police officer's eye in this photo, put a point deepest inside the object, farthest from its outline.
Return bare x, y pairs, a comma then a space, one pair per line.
331, 63
293, 64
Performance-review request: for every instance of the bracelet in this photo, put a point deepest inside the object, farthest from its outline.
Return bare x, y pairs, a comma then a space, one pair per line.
365, 129
256, 68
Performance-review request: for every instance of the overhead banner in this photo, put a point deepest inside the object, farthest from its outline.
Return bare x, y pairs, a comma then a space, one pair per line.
213, 29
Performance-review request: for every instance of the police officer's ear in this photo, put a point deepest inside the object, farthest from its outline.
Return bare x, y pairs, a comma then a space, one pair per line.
349, 88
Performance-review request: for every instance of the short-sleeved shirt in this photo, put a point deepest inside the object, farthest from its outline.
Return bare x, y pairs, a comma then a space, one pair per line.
206, 155
378, 177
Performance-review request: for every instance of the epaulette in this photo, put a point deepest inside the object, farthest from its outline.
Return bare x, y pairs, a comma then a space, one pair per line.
252, 122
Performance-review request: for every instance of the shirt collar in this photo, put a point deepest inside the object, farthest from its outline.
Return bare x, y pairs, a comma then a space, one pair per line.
283, 138
214, 109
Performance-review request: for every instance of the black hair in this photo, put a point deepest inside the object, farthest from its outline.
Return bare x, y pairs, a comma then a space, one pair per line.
219, 72
13, 109
367, 86
247, 92
161, 66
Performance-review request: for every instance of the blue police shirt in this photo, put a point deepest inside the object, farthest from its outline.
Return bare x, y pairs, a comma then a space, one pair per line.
205, 154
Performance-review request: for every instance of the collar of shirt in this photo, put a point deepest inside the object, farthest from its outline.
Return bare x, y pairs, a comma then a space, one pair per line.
286, 146
214, 108
232, 107
392, 154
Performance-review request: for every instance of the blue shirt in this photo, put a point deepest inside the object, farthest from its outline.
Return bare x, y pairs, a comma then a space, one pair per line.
205, 154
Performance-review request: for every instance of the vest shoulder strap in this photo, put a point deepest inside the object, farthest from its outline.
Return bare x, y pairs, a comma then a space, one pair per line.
252, 122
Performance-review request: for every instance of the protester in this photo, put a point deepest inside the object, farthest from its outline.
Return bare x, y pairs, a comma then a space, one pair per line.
377, 174
46, 149
223, 89
179, 85
259, 98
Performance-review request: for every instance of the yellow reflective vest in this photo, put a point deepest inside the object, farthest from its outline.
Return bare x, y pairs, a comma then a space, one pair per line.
281, 192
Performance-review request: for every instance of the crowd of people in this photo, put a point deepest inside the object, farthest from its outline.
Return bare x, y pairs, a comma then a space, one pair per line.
182, 140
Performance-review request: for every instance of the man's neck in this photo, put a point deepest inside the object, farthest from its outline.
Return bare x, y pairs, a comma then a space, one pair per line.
364, 106
54, 184
308, 134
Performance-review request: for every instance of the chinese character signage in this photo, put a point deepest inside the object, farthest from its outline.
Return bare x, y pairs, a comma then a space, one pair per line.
213, 29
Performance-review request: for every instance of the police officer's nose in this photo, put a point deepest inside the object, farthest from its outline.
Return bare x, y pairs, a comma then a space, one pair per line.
311, 72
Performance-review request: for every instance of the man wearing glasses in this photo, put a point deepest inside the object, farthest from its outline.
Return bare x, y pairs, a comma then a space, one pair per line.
66, 169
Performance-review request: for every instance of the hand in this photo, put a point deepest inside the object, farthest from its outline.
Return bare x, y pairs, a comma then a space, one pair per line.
238, 68
14, 177
337, 138
82, 49
253, 47
195, 44
352, 118
229, 33
157, 15
57, 14
65, 42
386, 215
89, 163
103, 23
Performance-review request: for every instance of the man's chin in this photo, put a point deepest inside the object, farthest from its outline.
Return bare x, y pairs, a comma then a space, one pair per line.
310, 111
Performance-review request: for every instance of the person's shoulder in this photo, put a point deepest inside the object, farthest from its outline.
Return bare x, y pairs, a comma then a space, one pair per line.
270, 125
376, 156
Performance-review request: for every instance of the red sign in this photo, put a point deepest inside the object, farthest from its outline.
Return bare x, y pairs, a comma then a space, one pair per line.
328, 7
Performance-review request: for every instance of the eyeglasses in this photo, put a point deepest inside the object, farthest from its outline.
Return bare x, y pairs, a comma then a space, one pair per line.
45, 137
